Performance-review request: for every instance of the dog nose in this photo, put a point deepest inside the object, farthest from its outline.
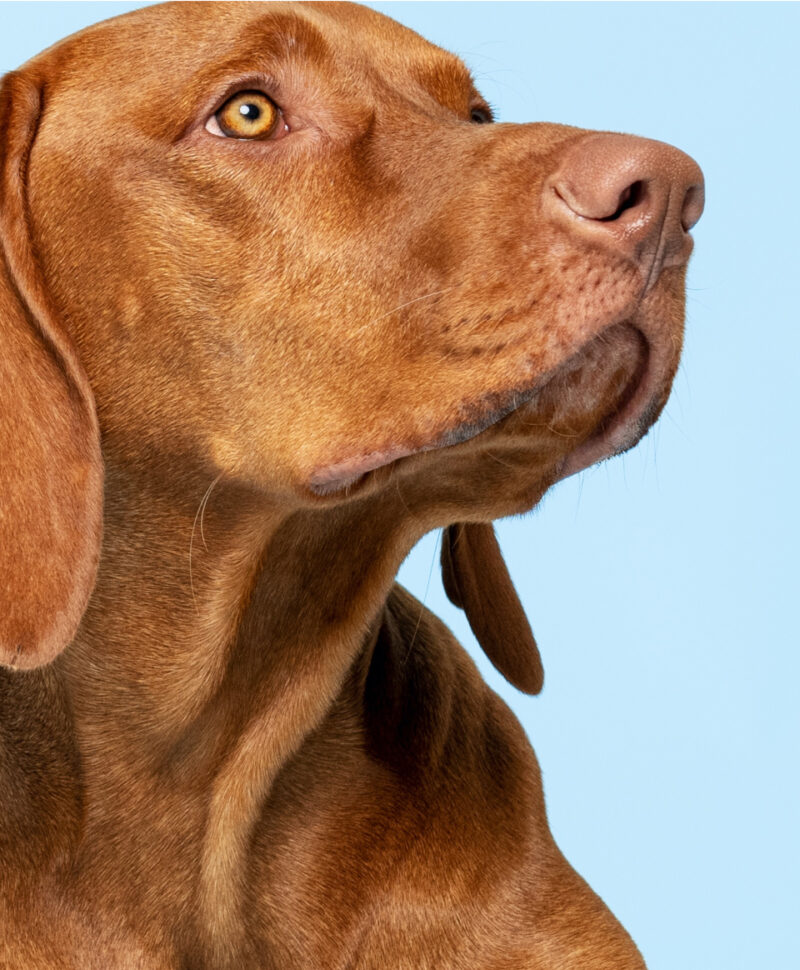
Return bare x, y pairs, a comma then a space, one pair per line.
632, 195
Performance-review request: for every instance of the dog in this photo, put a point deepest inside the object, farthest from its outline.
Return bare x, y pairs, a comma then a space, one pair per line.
277, 298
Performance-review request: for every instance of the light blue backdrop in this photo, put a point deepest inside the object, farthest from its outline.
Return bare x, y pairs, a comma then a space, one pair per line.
663, 586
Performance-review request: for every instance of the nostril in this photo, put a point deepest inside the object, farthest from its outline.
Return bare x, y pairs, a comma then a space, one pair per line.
693, 203
635, 197
598, 199
629, 198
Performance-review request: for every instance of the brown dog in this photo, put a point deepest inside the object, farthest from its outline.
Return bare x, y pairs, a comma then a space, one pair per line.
275, 301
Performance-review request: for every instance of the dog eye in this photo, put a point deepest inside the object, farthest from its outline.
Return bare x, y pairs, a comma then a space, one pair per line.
480, 116
248, 114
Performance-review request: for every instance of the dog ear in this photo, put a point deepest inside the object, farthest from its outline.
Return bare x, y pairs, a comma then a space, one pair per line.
476, 580
50, 463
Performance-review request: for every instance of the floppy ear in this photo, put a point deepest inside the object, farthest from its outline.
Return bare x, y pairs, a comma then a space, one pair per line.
476, 580
50, 464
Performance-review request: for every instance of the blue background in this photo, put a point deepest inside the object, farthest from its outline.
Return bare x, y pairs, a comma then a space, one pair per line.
663, 585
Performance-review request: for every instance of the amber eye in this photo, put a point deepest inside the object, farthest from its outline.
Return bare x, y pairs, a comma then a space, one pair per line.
248, 114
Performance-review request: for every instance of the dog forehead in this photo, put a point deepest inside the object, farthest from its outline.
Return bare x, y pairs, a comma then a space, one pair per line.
396, 51
159, 49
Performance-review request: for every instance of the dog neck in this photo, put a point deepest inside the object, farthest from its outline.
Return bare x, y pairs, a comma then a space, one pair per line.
217, 590
234, 626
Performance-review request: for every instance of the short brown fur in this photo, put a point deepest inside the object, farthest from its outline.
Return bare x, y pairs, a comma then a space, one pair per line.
227, 739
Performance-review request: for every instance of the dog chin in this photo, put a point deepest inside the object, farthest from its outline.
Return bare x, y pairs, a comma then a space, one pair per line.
597, 403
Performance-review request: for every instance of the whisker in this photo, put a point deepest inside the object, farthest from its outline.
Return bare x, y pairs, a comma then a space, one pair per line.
500, 461
200, 512
422, 605
561, 434
402, 497
203, 506
402, 306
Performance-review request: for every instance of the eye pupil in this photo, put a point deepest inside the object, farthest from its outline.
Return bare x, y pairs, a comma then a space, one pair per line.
250, 111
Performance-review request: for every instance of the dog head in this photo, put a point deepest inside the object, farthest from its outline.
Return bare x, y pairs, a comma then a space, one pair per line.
293, 249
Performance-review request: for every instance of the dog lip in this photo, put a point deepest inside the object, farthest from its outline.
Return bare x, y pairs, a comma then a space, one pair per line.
618, 432
343, 477
624, 427
327, 483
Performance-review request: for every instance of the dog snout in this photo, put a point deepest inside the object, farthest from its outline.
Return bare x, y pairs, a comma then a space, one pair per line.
633, 196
